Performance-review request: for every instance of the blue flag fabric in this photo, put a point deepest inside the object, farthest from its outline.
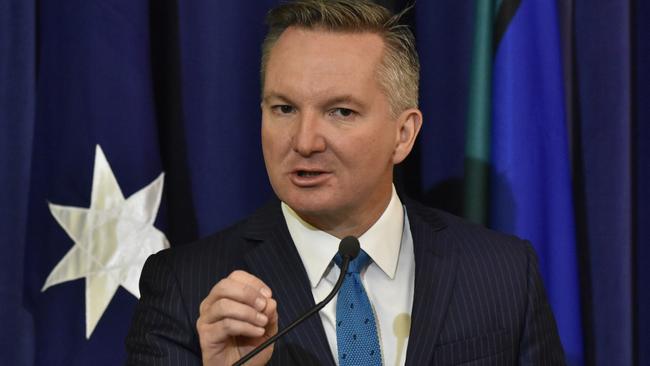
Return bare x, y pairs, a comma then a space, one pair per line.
93, 88
17, 91
531, 192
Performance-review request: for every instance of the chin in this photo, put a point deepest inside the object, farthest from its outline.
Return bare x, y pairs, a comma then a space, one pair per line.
308, 203
304, 206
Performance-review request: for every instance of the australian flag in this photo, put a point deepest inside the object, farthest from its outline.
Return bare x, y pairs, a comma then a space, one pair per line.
115, 142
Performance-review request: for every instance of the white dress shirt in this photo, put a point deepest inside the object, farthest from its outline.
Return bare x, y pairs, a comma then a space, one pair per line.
389, 279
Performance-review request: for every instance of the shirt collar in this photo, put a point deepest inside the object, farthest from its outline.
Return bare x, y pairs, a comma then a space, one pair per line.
317, 248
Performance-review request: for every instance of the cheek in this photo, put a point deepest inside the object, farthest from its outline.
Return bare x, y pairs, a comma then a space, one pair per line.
369, 158
268, 149
266, 144
378, 147
269, 136
275, 147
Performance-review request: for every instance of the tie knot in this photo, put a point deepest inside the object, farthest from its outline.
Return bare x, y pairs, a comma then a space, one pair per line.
357, 264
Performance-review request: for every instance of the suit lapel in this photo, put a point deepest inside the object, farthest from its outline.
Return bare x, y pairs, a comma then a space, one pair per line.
435, 273
276, 261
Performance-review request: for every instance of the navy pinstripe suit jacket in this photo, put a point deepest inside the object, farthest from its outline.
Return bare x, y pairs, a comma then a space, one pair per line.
478, 300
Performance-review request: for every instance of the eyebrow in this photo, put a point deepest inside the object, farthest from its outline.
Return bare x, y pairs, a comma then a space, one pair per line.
344, 99
274, 95
341, 99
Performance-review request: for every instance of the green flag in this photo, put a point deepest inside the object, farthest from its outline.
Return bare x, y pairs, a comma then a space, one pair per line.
477, 144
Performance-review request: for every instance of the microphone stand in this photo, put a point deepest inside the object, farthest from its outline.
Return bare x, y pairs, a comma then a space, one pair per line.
344, 268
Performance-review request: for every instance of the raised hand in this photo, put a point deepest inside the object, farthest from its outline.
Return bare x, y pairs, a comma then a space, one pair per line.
238, 314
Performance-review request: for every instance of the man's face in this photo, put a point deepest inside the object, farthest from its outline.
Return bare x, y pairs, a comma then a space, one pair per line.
328, 136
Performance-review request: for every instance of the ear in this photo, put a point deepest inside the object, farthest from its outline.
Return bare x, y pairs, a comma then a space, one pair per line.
408, 127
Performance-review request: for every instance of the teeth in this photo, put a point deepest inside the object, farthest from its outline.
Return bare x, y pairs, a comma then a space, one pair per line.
308, 174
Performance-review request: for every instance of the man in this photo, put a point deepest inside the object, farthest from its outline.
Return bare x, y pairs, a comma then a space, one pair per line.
339, 110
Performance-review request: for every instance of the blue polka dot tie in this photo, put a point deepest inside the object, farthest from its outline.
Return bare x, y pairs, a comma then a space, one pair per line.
356, 330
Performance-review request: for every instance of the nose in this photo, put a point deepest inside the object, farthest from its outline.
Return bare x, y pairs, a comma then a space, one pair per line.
308, 137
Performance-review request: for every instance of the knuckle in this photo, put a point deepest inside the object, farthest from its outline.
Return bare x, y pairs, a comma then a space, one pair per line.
200, 326
220, 286
203, 307
228, 325
247, 295
251, 315
218, 308
248, 291
238, 273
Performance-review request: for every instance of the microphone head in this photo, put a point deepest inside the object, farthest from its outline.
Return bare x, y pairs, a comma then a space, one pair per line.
349, 246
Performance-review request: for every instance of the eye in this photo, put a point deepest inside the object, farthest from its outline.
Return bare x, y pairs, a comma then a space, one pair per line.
342, 112
283, 109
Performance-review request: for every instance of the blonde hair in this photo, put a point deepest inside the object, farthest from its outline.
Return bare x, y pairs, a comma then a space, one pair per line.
399, 71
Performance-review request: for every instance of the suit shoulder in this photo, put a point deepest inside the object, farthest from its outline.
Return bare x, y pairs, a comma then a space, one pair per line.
468, 238
221, 252
228, 246
484, 236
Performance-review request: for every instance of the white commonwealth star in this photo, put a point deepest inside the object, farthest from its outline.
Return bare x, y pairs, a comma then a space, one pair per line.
112, 239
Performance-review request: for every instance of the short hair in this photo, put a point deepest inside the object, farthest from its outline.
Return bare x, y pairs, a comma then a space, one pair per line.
399, 70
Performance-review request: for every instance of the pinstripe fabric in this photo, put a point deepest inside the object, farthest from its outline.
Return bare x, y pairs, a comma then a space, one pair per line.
478, 299
485, 303
280, 267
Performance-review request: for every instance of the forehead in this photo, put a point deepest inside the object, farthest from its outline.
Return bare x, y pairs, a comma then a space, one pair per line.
318, 59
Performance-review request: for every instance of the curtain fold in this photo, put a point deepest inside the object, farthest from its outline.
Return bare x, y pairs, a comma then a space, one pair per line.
17, 100
603, 131
641, 170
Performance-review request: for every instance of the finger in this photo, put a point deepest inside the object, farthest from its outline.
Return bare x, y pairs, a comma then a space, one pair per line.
227, 308
212, 333
244, 278
231, 289
271, 308
271, 312
249, 279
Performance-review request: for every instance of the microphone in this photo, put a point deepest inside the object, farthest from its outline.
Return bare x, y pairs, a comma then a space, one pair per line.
348, 249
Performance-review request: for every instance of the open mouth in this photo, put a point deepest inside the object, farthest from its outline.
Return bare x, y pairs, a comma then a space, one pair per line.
304, 173
309, 178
